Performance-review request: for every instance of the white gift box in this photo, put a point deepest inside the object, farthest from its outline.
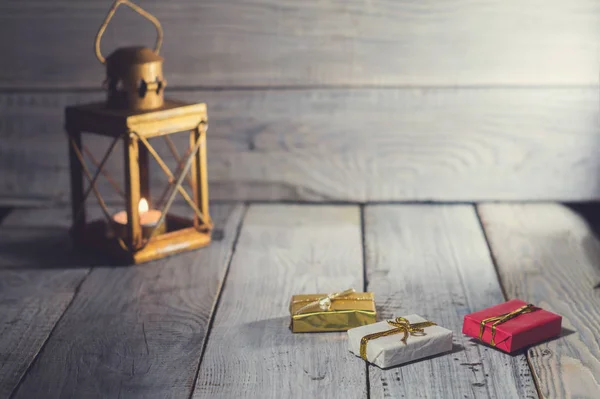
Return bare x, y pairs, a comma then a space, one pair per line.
390, 351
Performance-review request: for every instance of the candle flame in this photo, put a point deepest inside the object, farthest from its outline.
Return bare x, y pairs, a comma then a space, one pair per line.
143, 206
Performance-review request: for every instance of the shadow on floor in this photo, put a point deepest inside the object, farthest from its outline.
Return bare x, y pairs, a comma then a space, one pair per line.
524, 351
4, 212
43, 248
590, 213
564, 332
455, 349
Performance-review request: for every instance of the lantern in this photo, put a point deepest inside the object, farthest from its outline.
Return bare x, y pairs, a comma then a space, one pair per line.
135, 115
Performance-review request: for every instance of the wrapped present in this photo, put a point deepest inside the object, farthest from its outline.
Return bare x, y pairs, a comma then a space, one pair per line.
512, 325
393, 342
338, 311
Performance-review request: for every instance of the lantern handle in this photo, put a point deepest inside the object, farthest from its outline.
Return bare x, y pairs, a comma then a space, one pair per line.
135, 8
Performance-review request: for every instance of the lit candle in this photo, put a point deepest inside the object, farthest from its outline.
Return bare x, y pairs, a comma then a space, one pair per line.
148, 220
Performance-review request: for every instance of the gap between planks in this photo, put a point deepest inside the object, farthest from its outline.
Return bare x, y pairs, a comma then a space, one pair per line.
220, 293
365, 282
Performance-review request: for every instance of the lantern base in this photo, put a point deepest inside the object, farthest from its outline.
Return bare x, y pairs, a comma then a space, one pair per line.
97, 239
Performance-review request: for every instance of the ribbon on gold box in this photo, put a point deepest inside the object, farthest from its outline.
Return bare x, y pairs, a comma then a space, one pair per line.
338, 311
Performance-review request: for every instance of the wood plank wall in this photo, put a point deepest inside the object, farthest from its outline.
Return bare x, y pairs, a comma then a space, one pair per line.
330, 100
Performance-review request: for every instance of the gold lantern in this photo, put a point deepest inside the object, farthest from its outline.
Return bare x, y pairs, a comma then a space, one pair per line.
135, 114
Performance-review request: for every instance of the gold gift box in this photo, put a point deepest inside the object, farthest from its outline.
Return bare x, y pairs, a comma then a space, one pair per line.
353, 310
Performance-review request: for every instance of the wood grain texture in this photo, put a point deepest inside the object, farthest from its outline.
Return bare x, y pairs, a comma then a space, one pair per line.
136, 331
434, 261
549, 254
290, 43
348, 145
31, 301
284, 250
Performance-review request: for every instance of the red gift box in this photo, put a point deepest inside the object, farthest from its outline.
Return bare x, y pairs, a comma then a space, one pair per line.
517, 325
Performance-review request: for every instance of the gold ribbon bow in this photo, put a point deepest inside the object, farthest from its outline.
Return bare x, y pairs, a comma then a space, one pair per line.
325, 302
503, 318
402, 326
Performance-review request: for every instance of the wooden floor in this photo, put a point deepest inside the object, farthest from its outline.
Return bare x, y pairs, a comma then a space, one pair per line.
214, 323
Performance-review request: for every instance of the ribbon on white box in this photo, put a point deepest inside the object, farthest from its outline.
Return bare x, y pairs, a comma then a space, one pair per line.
394, 343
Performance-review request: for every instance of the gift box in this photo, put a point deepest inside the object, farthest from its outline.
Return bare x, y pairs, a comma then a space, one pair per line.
393, 342
339, 311
512, 325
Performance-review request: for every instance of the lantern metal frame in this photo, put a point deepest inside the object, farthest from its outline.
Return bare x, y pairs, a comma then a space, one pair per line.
133, 129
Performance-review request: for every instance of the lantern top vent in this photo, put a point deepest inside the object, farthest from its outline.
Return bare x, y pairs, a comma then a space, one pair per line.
134, 77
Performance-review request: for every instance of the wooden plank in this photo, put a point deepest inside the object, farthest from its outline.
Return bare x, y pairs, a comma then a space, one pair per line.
136, 331
273, 43
548, 254
284, 250
34, 292
347, 145
25, 324
434, 261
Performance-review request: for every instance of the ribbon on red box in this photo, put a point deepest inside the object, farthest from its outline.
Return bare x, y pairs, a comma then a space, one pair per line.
503, 318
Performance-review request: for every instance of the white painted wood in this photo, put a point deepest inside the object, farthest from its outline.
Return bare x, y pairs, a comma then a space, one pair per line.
549, 255
299, 43
434, 261
136, 331
349, 145
251, 353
